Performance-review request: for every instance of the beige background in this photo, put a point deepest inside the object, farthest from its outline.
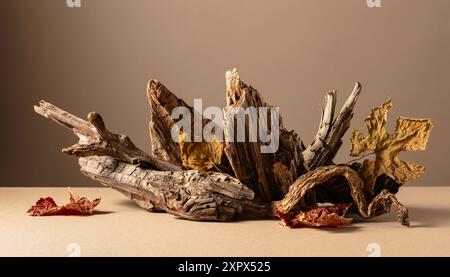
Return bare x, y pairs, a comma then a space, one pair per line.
99, 57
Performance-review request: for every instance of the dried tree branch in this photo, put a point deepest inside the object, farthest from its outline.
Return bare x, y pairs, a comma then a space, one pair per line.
95, 139
326, 122
328, 139
382, 204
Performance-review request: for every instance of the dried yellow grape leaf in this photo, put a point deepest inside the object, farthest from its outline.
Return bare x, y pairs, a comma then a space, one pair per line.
410, 135
200, 155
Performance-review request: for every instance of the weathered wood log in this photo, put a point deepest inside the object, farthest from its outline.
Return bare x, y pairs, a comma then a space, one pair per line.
96, 140
269, 175
188, 193
328, 139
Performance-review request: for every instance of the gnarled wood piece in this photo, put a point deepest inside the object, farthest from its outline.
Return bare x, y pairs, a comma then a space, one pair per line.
328, 139
307, 182
188, 193
114, 161
95, 139
268, 174
216, 196
163, 102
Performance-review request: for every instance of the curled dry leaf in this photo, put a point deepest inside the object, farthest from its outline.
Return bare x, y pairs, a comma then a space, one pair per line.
200, 155
76, 206
294, 199
332, 216
410, 135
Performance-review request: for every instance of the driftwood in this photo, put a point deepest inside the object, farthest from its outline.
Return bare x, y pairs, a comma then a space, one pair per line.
291, 179
188, 194
268, 175
163, 147
96, 140
162, 102
328, 140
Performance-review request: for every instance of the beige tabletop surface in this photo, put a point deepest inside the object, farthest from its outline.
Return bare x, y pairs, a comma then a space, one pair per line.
120, 228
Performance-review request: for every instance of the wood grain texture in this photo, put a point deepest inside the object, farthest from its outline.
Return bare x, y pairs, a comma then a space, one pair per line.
188, 193
269, 175
328, 139
162, 102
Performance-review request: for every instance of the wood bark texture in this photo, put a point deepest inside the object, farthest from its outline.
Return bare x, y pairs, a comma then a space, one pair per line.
269, 175
162, 102
188, 193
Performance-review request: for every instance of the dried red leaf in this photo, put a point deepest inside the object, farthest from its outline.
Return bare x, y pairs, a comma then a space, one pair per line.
76, 206
333, 216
